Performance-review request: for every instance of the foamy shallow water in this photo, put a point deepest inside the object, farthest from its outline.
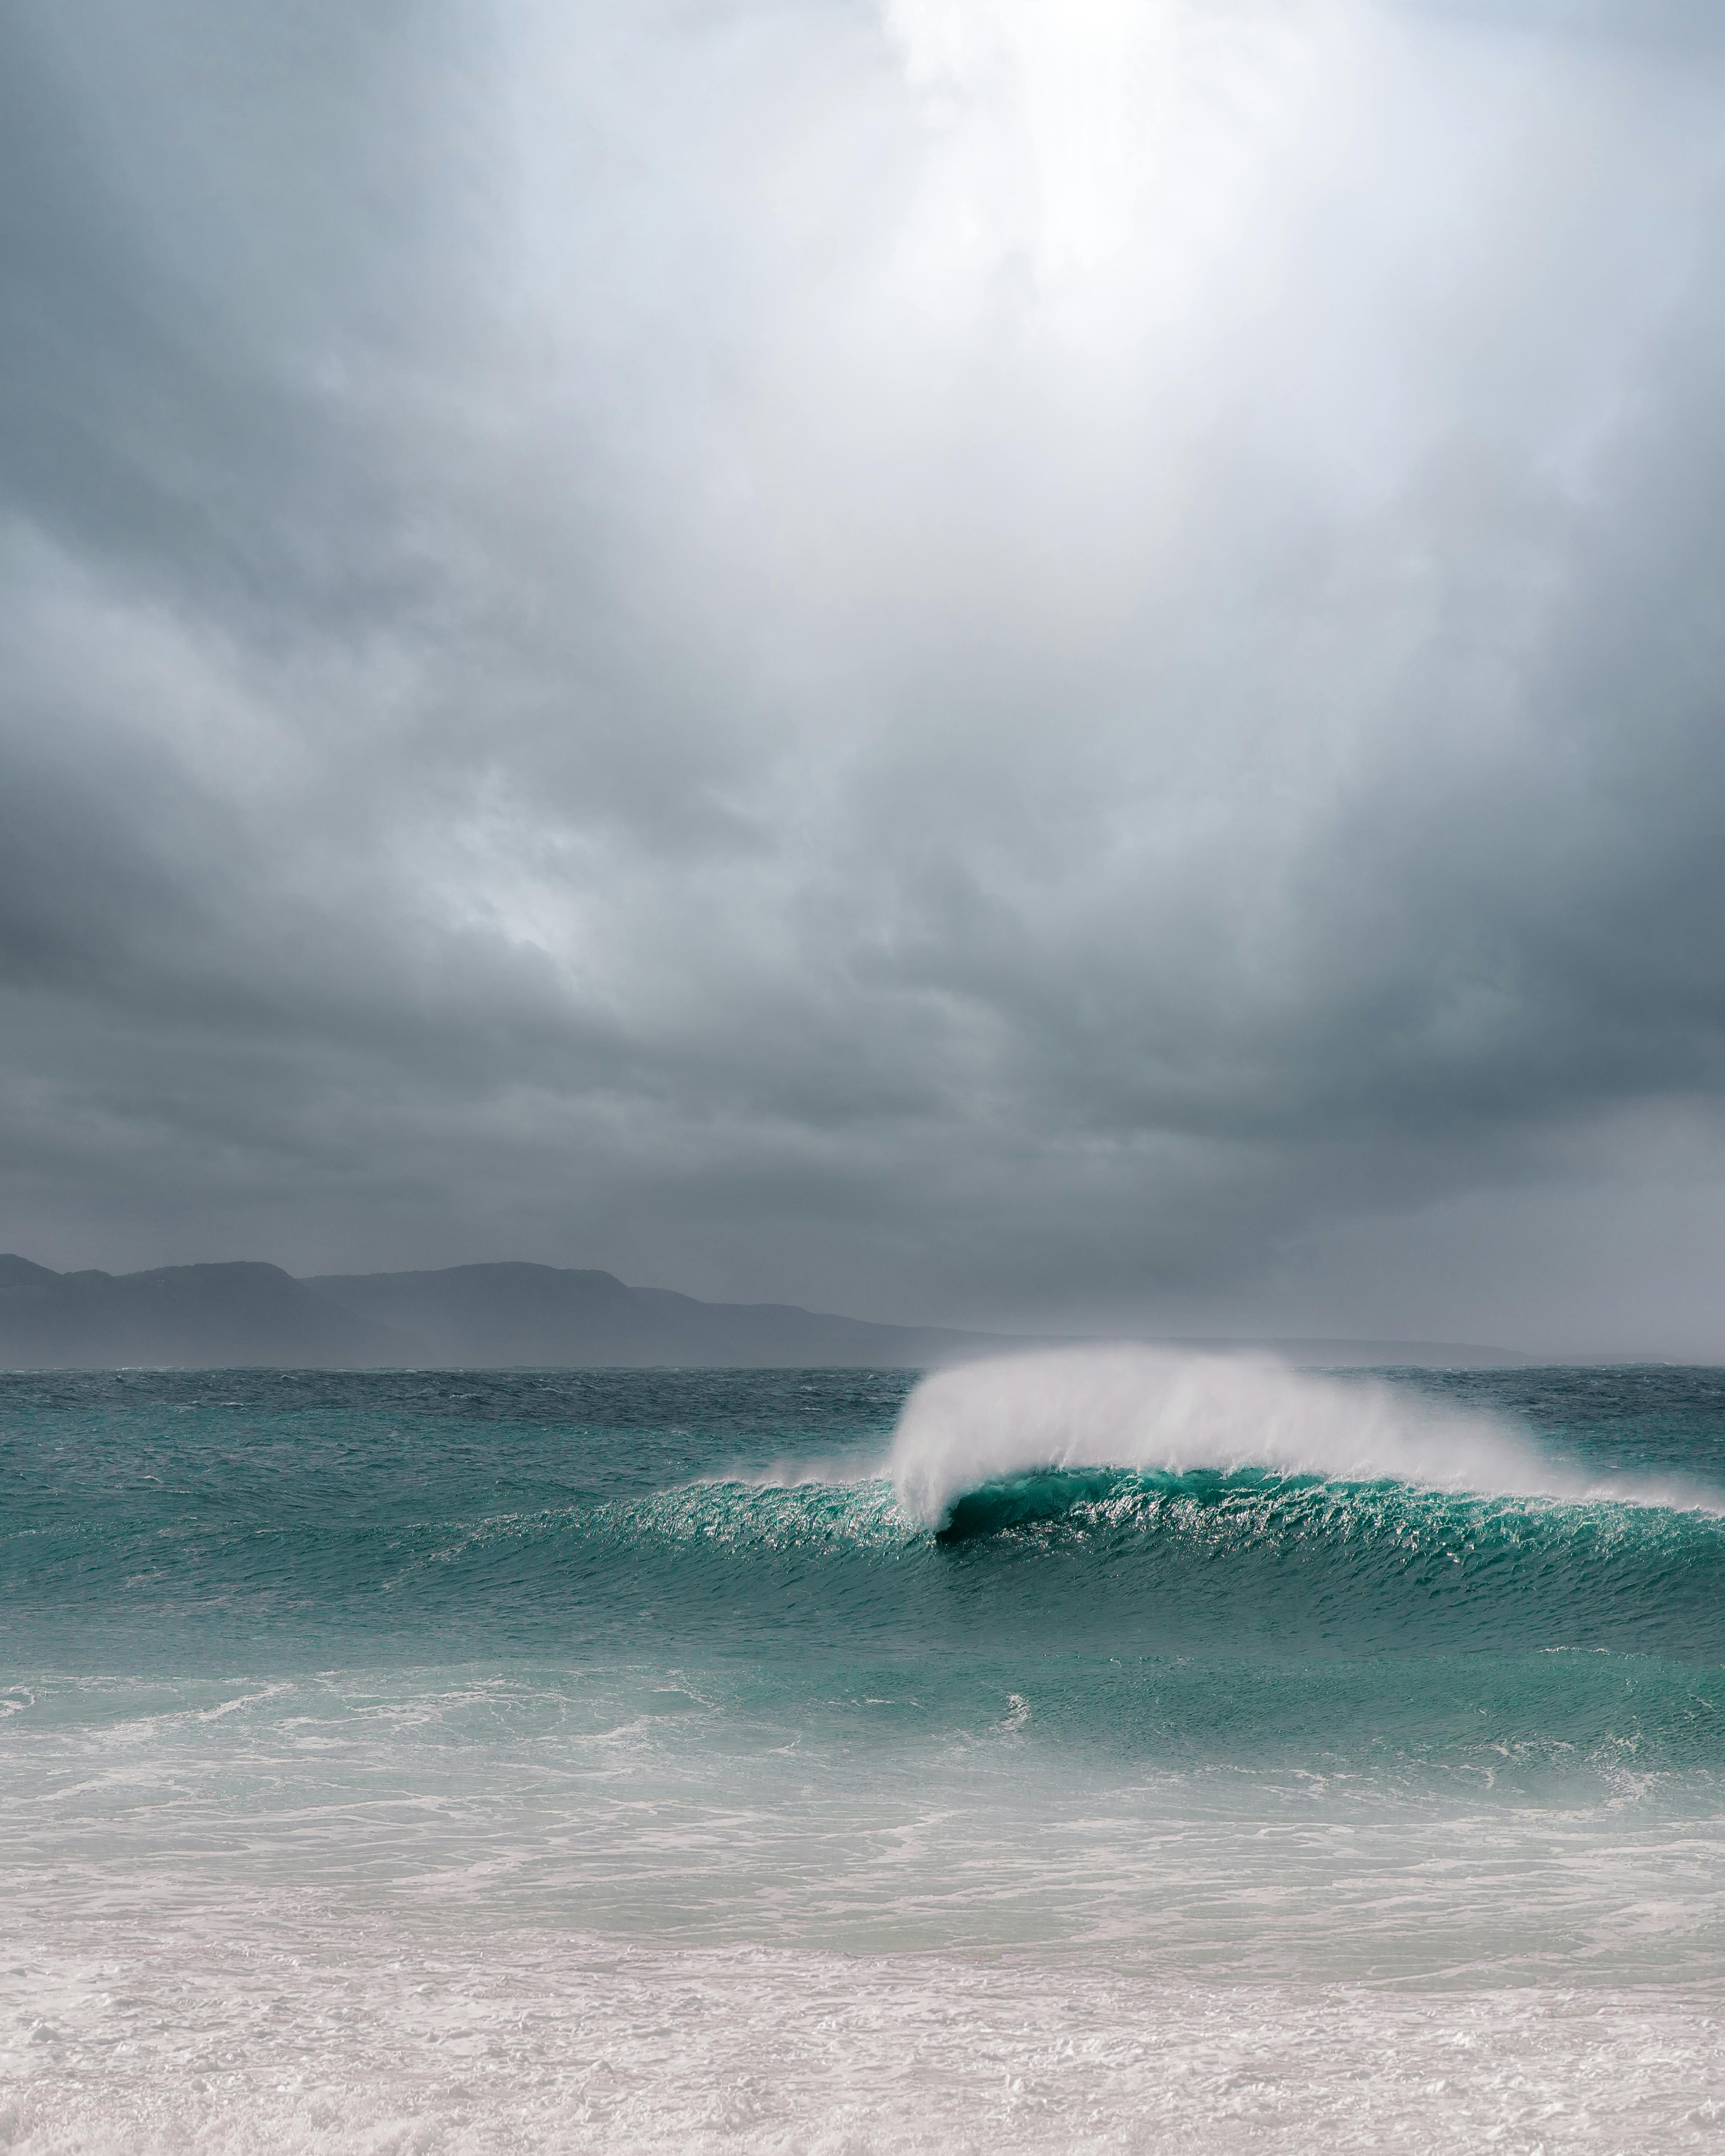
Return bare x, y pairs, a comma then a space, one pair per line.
439, 1911
676, 1808
290, 2027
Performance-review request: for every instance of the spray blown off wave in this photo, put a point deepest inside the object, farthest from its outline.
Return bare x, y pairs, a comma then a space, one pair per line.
1162, 1411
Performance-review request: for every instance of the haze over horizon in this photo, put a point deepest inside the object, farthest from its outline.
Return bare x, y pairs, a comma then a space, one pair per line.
970, 665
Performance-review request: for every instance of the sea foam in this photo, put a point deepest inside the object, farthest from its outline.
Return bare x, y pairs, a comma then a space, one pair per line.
1168, 1411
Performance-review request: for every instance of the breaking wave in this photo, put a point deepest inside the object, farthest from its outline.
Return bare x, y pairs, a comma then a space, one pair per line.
1159, 1411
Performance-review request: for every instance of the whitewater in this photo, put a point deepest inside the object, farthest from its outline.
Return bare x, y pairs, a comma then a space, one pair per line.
1106, 1749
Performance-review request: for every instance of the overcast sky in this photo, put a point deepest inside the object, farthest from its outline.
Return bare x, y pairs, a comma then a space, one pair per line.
1023, 661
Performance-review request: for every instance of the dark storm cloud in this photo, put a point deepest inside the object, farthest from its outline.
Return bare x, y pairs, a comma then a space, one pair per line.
958, 661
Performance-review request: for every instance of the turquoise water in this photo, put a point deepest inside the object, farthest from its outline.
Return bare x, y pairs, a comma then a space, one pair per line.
1102, 1694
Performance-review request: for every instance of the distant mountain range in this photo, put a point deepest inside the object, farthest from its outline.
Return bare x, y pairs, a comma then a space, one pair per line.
499, 1316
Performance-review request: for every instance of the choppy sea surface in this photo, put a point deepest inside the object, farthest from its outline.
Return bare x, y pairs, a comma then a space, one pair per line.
1097, 1752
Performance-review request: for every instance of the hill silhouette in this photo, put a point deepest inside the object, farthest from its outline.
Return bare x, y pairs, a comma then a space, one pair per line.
495, 1317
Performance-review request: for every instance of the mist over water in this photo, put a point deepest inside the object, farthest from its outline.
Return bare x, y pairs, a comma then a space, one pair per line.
1080, 1750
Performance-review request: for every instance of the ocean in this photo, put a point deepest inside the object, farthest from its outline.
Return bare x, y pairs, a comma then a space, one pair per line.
1099, 1751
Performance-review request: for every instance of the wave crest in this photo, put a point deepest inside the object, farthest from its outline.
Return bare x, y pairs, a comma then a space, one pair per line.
1161, 1410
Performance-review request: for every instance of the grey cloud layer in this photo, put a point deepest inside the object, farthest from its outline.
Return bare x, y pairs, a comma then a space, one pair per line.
960, 662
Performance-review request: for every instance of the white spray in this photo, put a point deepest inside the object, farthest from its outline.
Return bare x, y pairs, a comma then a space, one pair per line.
1160, 1409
